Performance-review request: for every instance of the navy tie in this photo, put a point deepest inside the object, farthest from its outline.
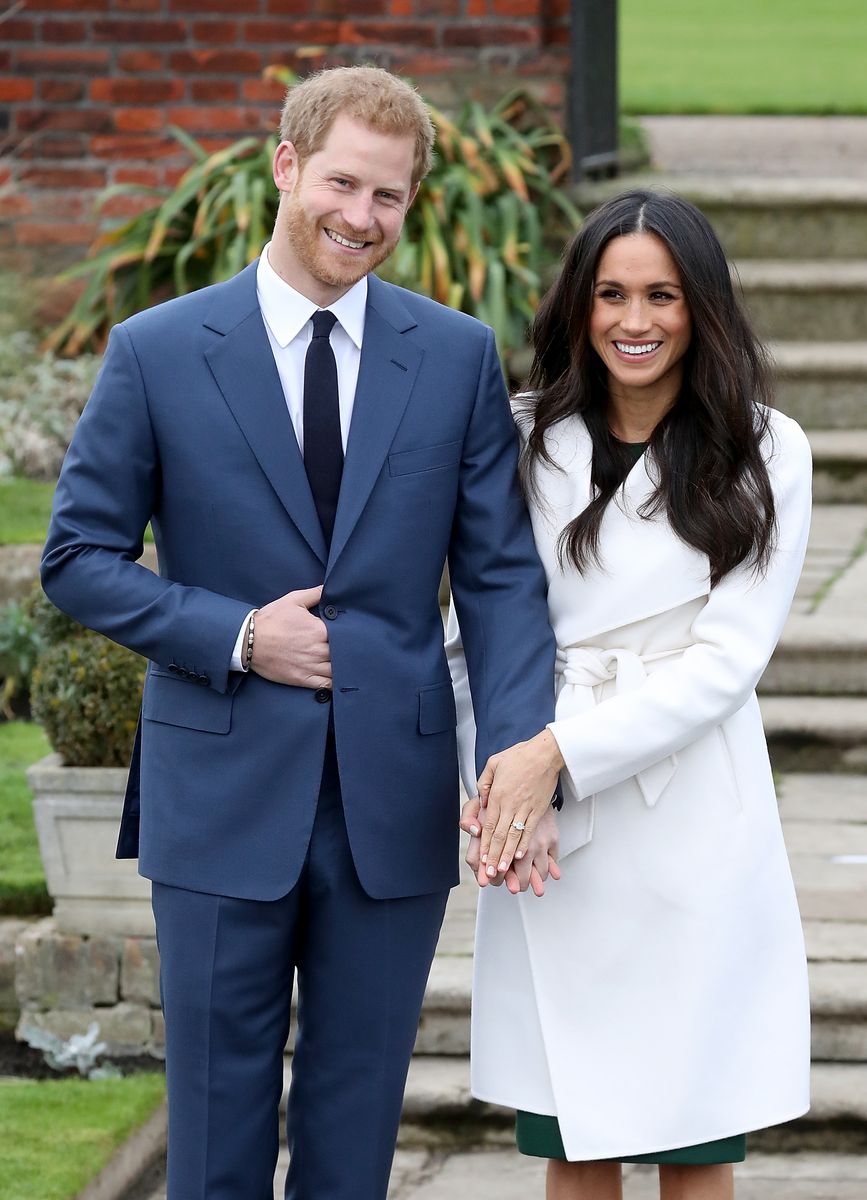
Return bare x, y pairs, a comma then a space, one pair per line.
323, 448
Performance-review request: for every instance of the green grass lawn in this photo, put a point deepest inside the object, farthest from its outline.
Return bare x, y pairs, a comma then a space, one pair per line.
25, 506
57, 1134
22, 881
744, 56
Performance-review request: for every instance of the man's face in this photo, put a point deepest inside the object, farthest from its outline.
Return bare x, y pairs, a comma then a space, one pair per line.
342, 211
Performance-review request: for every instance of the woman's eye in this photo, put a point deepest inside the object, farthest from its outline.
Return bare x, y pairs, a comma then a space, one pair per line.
609, 294
662, 296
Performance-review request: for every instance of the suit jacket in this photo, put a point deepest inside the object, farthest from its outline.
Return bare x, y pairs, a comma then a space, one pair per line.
187, 428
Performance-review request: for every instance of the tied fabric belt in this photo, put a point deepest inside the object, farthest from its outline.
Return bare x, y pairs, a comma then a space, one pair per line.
579, 670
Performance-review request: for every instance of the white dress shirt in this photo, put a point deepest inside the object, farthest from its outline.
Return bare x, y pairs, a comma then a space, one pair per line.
289, 325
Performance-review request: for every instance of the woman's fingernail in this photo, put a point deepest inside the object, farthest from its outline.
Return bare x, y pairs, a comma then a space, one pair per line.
519, 854
474, 830
491, 872
504, 866
484, 858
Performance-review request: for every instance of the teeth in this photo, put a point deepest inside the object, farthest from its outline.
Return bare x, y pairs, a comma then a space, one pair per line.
648, 348
335, 237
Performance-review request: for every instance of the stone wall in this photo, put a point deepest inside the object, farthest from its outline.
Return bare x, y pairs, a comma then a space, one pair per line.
64, 982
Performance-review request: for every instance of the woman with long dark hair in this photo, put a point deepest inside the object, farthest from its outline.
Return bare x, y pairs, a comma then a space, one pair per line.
652, 1005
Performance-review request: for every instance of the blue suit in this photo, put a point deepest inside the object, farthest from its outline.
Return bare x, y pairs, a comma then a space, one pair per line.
187, 428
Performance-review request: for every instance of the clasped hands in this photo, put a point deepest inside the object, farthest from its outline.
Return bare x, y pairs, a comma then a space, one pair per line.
512, 827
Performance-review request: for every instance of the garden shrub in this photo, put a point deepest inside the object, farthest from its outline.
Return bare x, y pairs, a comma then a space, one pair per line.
86, 692
41, 399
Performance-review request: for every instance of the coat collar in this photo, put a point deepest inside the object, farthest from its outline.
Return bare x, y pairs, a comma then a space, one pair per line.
645, 569
244, 369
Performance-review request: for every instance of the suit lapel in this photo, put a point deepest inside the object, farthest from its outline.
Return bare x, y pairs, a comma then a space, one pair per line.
387, 373
243, 366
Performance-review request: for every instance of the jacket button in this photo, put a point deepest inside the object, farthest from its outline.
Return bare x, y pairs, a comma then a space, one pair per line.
329, 611
203, 680
323, 695
174, 668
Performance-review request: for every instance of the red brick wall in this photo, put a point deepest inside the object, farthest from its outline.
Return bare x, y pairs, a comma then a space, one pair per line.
88, 88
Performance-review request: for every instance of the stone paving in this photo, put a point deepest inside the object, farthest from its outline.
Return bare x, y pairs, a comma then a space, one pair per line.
505, 1175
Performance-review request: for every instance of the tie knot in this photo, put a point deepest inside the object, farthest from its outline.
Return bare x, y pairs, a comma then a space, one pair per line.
323, 323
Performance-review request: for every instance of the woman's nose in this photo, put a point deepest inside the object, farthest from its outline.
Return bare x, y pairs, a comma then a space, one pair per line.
637, 319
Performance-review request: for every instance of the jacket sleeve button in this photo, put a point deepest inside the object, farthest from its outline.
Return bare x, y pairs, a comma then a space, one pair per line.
323, 695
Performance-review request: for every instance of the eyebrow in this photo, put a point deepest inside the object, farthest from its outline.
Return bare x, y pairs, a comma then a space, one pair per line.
661, 283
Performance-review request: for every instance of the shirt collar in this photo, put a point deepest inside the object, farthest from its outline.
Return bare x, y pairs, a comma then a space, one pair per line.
286, 311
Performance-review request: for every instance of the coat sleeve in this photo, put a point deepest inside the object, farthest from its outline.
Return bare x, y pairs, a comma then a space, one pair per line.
106, 495
734, 637
498, 583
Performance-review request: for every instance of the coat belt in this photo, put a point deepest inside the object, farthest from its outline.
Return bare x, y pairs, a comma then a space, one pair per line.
581, 668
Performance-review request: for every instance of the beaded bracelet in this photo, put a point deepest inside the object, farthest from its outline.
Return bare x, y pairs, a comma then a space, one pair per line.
251, 634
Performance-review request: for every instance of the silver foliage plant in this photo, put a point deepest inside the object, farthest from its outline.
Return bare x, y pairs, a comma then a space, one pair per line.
81, 1051
41, 399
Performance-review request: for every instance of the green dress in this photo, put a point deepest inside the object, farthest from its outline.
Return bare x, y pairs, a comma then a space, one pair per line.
539, 1136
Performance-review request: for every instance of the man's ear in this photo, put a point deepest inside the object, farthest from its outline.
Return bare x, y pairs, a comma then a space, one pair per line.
286, 167
412, 195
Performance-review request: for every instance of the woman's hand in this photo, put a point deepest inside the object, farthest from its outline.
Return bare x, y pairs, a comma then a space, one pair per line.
515, 788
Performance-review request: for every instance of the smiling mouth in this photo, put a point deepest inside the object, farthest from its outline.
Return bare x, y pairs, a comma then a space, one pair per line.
343, 241
637, 350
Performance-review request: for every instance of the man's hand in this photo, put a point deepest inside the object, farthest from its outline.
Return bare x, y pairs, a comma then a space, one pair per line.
531, 871
540, 860
291, 644
516, 788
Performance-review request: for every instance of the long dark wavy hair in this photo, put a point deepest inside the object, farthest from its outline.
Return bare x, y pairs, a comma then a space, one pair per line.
705, 454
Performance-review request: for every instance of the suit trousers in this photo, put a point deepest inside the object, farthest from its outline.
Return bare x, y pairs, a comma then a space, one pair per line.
226, 973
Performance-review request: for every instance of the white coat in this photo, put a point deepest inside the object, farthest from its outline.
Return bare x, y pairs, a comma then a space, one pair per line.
656, 997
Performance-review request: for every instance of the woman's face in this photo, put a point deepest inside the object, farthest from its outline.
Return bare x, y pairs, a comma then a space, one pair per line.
640, 325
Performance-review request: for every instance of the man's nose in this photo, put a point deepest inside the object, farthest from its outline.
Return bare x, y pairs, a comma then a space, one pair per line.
358, 211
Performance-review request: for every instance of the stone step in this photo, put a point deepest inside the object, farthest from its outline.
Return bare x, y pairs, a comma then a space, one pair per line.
816, 733
838, 998
764, 217
823, 385
839, 465
807, 300
438, 1106
818, 656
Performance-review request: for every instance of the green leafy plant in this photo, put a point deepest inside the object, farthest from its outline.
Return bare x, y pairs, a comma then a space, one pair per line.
86, 693
19, 650
28, 628
486, 223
